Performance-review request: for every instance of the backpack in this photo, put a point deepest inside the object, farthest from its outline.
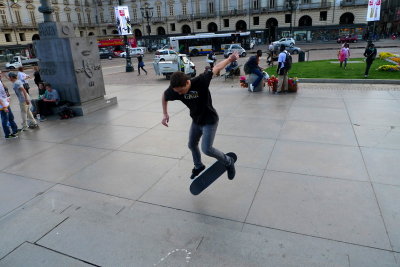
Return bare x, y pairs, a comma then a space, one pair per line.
66, 113
288, 61
246, 68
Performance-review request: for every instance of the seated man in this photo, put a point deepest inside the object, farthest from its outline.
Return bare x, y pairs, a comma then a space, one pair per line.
255, 69
48, 101
231, 68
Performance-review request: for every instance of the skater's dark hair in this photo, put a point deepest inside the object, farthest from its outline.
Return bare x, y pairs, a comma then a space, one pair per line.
178, 79
259, 53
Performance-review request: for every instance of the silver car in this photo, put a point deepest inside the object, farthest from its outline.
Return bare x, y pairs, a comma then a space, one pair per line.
229, 49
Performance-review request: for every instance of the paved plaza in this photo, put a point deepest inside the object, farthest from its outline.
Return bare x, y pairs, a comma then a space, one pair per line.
317, 181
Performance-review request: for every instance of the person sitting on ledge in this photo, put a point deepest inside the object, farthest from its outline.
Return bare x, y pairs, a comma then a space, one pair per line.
48, 101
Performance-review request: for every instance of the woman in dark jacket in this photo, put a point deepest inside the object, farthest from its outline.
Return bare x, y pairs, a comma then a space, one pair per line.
370, 54
37, 79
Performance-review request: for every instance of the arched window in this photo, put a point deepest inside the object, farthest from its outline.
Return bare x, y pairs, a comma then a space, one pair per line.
305, 21
347, 18
241, 26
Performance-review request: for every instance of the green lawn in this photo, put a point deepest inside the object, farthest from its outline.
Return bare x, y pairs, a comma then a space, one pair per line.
326, 69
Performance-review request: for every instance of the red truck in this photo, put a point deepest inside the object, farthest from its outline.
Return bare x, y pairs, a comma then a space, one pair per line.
347, 39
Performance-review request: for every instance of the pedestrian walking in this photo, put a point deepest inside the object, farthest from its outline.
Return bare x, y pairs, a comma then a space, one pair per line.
24, 102
22, 76
140, 64
282, 71
344, 55
370, 55
195, 94
270, 58
7, 117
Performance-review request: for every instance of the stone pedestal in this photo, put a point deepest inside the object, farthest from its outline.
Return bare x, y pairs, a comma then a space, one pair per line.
72, 66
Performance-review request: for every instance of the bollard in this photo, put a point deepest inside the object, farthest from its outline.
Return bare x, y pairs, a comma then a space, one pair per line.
302, 56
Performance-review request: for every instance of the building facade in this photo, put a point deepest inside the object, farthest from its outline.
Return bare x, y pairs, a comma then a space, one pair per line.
267, 19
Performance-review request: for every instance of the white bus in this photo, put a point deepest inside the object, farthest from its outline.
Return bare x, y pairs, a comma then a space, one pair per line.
203, 43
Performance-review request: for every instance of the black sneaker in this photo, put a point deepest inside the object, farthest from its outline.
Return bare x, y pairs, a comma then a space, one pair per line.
196, 172
231, 170
12, 136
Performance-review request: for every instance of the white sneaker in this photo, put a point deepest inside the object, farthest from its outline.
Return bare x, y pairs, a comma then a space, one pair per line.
251, 87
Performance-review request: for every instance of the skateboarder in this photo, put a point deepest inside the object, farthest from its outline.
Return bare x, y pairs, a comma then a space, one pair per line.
195, 94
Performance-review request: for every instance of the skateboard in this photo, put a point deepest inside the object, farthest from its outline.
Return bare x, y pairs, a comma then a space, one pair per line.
209, 176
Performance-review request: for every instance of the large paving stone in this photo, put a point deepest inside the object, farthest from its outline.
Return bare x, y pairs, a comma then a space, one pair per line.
115, 241
383, 165
59, 132
172, 144
122, 174
388, 198
106, 136
25, 225
378, 136
320, 132
19, 150
321, 250
225, 198
389, 116
68, 200
250, 127
61, 161
319, 102
318, 159
316, 114
143, 119
37, 256
16, 190
330, 208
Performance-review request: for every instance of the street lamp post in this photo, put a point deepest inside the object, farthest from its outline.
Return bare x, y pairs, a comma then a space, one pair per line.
291, 6
129, 67
147, 13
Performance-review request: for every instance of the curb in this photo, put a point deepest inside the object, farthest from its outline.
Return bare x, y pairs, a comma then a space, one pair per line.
355, 81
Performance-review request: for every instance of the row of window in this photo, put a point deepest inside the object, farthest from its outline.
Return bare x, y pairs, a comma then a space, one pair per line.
9, 38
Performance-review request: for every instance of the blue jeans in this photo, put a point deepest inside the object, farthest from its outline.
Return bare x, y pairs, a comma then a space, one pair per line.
260, 77
8, 117
208, 132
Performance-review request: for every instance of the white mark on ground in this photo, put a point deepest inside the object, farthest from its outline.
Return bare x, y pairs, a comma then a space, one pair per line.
187, 255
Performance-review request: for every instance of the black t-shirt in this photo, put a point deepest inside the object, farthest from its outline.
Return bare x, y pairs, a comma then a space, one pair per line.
197, 99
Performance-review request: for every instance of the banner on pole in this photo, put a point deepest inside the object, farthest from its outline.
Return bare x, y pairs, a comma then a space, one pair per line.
122, 20
374, 10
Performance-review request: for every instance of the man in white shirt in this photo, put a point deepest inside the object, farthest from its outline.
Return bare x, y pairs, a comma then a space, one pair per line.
282, 71
7, 117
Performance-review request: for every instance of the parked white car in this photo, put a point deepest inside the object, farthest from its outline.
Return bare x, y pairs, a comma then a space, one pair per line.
165, 55
180, 63
229, 49
285, 41
133, 52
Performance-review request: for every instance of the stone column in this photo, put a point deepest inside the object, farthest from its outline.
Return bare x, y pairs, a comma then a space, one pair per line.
71, 64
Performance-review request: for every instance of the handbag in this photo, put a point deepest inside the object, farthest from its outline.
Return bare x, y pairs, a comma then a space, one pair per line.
141, 64
26, 86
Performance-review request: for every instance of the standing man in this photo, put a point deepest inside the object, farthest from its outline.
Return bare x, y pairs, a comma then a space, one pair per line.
195, 94
270, 59
370, 54
24, 102
7, 117
282, 71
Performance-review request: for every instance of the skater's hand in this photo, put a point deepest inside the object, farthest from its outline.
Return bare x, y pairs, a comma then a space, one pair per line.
233, 57
27, 102
165, 120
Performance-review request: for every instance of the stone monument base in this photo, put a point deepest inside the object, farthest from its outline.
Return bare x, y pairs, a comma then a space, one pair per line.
94, 105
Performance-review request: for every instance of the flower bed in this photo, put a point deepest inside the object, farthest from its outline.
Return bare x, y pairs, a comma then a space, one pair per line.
395, 59
389, 68
384, 55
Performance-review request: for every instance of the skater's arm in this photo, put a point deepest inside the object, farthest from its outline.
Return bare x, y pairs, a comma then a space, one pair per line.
164, 103
221, 65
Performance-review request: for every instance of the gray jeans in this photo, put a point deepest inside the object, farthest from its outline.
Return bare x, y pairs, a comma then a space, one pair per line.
208, 132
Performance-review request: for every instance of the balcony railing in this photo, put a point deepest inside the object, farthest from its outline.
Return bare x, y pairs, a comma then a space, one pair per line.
354, 3
180, 18
10, 26
204, 15
156, 20
322, 5
234, 12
